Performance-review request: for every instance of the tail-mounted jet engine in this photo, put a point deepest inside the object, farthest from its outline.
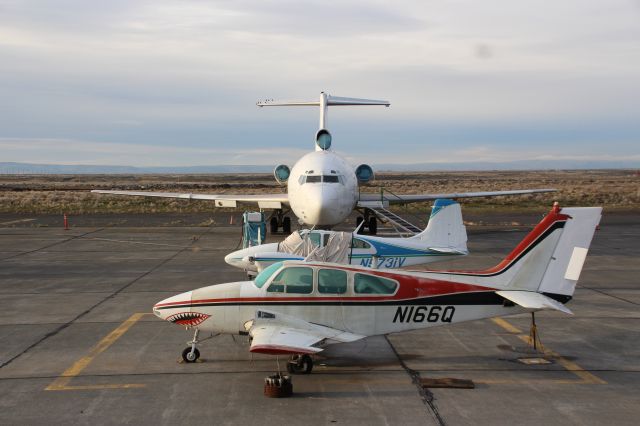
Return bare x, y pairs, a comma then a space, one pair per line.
281, 173
323, 139
364, 173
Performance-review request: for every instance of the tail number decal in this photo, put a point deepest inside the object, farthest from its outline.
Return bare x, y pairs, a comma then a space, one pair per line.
424, 313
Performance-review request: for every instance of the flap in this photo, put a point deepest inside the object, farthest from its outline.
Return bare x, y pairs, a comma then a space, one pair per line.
533, 300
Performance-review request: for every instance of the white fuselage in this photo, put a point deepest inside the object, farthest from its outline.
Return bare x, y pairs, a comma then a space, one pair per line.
322, 189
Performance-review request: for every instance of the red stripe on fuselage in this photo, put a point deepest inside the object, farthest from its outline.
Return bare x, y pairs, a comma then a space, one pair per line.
410, 288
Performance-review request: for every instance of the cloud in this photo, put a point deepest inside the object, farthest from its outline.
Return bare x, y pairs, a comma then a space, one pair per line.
167, 73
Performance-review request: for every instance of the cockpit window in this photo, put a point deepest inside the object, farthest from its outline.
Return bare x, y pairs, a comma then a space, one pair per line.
266, 273
320, 178
298, 280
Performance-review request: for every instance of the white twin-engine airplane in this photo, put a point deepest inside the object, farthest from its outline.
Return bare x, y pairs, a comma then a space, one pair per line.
322, 187
444, 237
298, 308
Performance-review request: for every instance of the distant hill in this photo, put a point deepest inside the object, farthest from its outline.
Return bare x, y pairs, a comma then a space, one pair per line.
28, 168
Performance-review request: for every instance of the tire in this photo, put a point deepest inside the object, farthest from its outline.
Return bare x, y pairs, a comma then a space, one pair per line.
301, 365
273, 225
286, 225
188, 357
373, 225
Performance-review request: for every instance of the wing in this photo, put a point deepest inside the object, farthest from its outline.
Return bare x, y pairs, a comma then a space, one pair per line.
265, 201
275, 333
366, 199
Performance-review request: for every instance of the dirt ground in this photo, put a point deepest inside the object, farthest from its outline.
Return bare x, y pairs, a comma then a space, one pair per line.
617, 190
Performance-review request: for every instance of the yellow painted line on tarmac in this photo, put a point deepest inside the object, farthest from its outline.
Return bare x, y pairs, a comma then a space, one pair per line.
62, 382
585, 377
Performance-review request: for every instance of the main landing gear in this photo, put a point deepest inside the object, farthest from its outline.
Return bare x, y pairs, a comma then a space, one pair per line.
370, 222
300, 364
279, 220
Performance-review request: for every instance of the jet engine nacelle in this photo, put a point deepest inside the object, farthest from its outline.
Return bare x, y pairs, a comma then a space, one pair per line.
281, 173
323, 139
364, 173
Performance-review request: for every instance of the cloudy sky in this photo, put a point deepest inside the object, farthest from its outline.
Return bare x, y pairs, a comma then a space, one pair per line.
174, 83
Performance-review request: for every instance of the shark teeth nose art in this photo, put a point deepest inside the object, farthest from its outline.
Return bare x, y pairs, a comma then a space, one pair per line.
190, 319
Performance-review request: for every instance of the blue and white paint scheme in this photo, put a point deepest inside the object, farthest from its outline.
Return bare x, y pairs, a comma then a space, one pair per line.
444, 237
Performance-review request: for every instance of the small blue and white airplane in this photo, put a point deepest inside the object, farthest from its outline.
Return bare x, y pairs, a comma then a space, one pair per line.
444, 237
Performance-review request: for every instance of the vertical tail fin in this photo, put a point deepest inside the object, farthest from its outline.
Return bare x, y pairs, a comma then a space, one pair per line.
445, 228
549, 260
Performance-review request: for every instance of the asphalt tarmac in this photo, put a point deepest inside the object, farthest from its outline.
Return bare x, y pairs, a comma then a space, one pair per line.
78, 344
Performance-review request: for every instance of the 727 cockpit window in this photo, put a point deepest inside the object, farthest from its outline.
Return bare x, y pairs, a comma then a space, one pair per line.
314, 179
266, 273
330, 179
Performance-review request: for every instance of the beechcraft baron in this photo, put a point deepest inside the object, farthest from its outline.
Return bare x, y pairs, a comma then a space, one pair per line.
322, 187
444, 237
298, 308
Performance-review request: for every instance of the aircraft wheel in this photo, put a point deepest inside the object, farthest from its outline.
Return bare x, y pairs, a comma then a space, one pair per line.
373, 225
286, 225
273, 225
187, 356
300, 364
359, 220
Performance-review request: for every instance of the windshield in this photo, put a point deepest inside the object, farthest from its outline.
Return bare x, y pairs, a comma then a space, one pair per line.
266, 273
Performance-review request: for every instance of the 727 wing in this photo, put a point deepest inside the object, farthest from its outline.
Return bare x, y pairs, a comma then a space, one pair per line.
265, 201
276, 333
367, 200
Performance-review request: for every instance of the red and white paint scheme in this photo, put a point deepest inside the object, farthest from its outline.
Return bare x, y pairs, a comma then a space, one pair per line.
298, 308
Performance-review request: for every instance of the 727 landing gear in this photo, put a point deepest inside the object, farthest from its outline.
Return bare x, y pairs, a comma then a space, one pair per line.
278, 219
300, 364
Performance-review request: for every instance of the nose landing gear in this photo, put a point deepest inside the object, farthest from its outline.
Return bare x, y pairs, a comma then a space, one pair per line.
191, 353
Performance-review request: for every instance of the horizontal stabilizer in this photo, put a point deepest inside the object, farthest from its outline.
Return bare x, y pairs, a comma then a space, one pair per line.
533, 300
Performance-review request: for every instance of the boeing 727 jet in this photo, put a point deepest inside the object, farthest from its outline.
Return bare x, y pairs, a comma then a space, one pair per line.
322, 187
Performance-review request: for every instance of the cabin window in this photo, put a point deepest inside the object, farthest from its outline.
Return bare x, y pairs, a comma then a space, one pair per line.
359, 244
315, 238
333, 281
372, 284
266, 273
297, 280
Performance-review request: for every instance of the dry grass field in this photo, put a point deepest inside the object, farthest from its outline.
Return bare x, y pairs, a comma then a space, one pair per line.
37, 194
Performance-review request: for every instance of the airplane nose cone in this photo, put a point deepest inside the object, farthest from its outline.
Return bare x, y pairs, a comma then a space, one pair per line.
167, 308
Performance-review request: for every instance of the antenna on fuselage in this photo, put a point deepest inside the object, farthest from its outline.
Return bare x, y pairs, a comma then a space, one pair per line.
323, 137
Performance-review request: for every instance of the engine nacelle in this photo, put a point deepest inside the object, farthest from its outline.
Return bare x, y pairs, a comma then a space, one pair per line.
281, 173
323, 139
364, 173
